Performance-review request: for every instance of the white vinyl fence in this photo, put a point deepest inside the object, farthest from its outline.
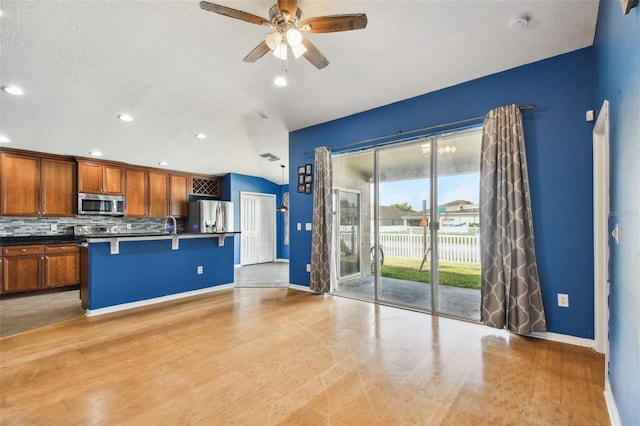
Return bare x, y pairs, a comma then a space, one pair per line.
453, 248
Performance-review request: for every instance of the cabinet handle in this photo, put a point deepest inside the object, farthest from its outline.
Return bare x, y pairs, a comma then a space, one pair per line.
24, 249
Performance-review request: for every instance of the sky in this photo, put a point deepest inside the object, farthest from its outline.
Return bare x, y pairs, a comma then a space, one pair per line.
450, 188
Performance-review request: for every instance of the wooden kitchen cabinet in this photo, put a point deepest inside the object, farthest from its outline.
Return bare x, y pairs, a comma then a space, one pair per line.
147, 193
61, 265
137, 193
22, 268
36, 186
95, 177
33, 267
158, 194
179, 197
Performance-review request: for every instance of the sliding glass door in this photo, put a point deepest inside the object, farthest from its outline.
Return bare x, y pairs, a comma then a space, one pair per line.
416, 240
353, 197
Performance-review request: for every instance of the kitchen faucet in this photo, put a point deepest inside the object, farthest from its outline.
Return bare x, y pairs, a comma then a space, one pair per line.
173, 228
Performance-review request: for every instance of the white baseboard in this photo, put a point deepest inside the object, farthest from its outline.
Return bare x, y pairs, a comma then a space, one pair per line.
155, 300
300, 287
564, 338
282, 260
237, 266
612, 408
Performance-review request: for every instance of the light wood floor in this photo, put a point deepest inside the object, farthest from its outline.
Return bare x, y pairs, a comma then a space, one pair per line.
270, 356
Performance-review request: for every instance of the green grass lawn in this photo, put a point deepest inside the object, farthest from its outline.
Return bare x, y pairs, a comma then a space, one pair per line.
464, 275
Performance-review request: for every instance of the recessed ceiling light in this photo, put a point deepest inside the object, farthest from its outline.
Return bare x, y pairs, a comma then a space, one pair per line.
201, 136
280, 81
163, 163
13, 90
95, 153
125, 117
4, 139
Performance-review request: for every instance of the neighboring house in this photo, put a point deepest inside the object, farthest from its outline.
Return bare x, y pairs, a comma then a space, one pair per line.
391, 216
453, 213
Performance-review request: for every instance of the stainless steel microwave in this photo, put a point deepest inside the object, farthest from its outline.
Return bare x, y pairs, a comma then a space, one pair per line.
110, 205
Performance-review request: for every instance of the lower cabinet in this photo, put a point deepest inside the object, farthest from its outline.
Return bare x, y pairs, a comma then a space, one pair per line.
61, 265
33, 267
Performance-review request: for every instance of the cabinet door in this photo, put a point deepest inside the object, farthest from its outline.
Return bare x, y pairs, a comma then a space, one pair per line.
62, 265
58, 187
90, 177
20, 181
179, 206
113, 180
136, 193
22, 268
158, 194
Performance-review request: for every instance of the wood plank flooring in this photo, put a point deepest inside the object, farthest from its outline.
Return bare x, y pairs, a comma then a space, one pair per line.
281, 356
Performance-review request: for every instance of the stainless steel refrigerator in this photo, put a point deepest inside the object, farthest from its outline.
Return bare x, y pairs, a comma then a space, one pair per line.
208, 216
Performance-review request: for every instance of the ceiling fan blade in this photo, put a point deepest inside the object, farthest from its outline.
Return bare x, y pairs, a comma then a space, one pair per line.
313, 55
335, 23
233, 13
290, 6
258, 52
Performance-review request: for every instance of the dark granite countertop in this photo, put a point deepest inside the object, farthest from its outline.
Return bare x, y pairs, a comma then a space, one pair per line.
39, 239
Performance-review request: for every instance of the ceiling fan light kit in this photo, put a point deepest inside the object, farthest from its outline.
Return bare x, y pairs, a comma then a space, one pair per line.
288, 29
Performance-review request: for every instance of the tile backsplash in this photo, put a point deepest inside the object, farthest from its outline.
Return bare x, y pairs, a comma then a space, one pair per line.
23, 226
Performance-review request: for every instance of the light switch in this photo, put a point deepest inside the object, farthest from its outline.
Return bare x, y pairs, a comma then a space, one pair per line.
299, 226
307, 226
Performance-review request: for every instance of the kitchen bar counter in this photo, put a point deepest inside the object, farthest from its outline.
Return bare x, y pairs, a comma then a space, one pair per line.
150, 269
114, 240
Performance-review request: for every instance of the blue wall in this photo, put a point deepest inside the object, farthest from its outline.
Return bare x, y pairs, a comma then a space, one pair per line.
148, 269
232, 185
558, 141
617, 54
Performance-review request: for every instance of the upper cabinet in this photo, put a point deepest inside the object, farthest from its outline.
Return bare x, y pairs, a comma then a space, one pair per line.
96, 177
179, 196
158, 193
36, 186
147, 193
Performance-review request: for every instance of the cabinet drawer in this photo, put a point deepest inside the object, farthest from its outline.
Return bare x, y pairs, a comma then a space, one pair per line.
61, 248
22, 250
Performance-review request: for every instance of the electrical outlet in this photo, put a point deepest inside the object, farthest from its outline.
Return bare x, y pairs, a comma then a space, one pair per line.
308, 267
54, 226
128, 227
563, 300
200, 270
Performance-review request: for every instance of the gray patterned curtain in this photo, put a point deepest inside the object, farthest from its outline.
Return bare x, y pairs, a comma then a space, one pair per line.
321, 232
510, 288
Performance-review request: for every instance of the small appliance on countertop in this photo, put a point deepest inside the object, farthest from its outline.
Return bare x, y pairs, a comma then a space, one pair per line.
210, 216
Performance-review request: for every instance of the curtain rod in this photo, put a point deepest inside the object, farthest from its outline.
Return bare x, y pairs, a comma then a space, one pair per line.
423, 129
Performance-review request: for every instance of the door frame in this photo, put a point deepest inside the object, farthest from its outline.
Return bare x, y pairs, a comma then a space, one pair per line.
336, 221
601, 210
244, 194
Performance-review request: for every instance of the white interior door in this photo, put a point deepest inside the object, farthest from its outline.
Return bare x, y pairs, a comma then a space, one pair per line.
257, 216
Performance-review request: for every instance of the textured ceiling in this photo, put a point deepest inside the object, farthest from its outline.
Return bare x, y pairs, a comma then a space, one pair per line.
178, 70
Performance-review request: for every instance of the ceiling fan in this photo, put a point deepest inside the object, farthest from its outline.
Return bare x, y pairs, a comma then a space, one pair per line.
284, 19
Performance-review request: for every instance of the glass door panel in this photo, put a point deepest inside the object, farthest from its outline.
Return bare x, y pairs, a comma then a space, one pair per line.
406, 225
404, 188
353, 197
458, 234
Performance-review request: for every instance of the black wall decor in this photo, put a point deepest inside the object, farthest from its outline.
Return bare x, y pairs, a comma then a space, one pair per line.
305, 178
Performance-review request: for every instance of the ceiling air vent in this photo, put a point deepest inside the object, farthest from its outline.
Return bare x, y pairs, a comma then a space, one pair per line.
269, 156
